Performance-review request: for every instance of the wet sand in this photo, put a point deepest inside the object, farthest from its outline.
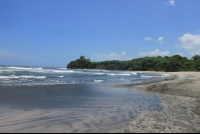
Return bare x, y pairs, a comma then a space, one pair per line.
181, 97
70, 108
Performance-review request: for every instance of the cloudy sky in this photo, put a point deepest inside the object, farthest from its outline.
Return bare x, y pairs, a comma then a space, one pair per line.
54, 32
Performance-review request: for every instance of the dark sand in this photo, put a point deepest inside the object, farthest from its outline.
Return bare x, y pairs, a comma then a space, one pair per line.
181, 97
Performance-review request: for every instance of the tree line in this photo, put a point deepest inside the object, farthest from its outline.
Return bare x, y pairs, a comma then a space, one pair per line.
174, 63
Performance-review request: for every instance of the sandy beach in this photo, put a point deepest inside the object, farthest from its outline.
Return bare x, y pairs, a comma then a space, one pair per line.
44, 109
181, 98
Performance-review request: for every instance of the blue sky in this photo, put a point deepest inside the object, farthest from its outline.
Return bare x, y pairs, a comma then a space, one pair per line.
54, 32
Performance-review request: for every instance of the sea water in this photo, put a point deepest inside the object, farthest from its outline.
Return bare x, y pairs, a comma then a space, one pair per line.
44, 99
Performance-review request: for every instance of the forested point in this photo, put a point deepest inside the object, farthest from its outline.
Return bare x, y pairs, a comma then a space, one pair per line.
168, 64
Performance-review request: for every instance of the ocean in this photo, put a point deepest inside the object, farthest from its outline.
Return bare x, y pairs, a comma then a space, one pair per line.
49, 99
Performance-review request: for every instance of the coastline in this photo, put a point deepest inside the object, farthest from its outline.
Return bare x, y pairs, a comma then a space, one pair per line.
181, 99
179, 94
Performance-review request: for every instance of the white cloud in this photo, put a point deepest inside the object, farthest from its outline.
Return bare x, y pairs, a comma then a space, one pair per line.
170, 2
191, 43
154, 53
143, 54
160, 40
148, 38
112, 56
191, 53
181, 54
123, 53
102, 57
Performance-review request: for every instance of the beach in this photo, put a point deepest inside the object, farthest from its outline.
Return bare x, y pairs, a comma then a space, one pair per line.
181, 99
46, 99
41, 99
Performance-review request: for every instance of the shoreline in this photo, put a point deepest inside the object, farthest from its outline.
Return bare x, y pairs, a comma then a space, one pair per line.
178, 93
181, 99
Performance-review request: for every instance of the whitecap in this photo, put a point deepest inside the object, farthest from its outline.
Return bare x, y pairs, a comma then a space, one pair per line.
9, 77
6, 71
30, 69
145, 76
19, 68
61, 76
34, 77
98, 73
98, 80
118, 74
37, 68
62, 71
133, 73
23, 76
63, 68
139, 72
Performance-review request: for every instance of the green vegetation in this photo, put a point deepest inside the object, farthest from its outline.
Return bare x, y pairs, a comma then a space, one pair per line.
168, 64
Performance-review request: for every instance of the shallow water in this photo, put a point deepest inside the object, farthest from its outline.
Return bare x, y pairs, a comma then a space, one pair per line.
93, 106
81, 108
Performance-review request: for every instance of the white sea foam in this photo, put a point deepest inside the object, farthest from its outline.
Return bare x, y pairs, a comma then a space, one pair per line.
62, 71
63, 68
20, 68
139, 72
145, 76
23, 76
136, 78
6, 81
34, 77
51, 71
119, 74
61, 76
165, 74
90, 70
1, 71
133, 73
55, 76
98, 73
29, 69
37, 68
98, 80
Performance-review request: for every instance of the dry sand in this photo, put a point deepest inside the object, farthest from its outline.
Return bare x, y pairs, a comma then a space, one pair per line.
181, 97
